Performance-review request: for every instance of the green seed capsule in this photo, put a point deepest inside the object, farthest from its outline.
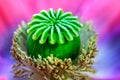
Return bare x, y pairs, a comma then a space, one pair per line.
56, 33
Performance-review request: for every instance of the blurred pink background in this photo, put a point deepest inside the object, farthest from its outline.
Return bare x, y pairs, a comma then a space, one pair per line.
104, 14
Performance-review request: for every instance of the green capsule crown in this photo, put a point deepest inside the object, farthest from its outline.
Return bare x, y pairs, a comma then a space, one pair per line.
54, 26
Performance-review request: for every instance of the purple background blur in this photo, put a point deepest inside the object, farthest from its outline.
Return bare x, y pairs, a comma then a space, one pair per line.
104, 14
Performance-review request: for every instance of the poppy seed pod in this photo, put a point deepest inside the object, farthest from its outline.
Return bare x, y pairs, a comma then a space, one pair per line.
54, 32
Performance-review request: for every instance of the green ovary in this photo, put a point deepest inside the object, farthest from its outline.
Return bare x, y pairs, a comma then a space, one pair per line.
66, 50
54, 32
